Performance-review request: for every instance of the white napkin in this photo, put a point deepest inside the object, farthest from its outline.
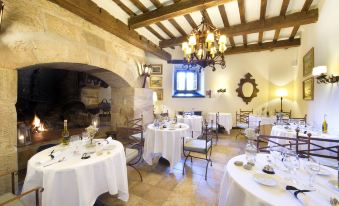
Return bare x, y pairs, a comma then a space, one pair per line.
303, 198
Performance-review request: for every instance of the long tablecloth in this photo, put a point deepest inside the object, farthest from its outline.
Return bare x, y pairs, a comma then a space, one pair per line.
74, 181
165, 142
239, 188
194, 122
225, 120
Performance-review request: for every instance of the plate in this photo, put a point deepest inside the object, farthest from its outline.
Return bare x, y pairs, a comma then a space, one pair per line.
334, 184
324, 172
265, 179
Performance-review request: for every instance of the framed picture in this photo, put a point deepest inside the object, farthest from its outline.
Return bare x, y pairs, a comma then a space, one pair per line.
308, 89
308, 62
160, 94
156, 69
155, 82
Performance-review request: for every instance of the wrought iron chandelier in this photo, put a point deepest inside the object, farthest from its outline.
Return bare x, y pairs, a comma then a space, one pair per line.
205, 47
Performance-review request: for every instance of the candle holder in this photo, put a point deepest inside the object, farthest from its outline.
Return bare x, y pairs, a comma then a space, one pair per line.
24, 134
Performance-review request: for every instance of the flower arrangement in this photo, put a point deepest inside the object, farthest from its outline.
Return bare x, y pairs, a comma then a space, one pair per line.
91, 131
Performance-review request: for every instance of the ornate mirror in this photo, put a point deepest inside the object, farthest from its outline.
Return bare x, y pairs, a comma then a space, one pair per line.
247, 89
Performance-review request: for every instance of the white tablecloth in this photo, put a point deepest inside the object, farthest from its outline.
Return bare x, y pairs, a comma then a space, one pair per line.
254, 120
164, 142
77, 182
239, 188
225, 119
194, 122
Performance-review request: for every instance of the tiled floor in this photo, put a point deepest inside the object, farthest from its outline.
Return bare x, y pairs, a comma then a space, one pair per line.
159, 187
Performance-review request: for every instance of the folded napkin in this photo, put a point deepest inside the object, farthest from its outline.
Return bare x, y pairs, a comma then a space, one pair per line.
303, 196
108, 144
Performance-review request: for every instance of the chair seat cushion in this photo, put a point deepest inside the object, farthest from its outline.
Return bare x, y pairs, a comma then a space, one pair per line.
136, 136
7, 196
242, 125
131, 154
197, 145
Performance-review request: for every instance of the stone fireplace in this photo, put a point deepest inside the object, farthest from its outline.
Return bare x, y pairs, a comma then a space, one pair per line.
39, 33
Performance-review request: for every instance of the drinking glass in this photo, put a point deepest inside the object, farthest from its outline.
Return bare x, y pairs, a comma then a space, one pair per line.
312, 168
292, 163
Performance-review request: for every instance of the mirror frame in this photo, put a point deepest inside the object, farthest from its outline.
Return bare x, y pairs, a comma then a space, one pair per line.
250, 80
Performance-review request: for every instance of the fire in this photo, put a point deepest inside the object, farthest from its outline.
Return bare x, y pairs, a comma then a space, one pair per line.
38, 125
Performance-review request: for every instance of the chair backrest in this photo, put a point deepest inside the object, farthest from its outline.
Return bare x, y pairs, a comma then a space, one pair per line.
243, 116
134, 126
285, 113
273, 142
299, 119
208, 134
180, 113
318, 147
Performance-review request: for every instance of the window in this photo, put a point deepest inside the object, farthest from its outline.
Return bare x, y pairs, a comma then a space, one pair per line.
187, 83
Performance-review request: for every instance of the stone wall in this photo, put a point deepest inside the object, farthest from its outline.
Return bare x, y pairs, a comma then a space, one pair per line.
8, 130
40, 32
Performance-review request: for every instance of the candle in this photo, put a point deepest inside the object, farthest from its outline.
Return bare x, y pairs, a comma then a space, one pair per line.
21, 139
95, 123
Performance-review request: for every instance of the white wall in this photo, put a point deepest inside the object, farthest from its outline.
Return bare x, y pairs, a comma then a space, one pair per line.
270, 70
324, 37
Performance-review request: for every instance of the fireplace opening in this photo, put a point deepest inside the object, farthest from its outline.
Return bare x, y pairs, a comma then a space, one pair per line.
47, 96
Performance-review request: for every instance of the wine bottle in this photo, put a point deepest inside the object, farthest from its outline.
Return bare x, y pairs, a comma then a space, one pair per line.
65, 134
325, 125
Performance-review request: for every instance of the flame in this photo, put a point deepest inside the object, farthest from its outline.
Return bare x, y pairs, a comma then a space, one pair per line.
38, 125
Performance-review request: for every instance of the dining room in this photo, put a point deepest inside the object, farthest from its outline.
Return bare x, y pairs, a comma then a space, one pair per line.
169, 102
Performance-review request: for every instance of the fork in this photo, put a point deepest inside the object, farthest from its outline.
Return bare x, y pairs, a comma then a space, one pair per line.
60, 160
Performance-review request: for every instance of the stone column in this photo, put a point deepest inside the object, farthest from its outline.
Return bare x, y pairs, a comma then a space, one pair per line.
122, 106
143, 104
8, 126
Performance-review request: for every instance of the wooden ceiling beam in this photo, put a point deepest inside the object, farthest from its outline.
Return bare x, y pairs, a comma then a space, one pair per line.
156, 3
305, 8
177, 27
263, 6
299, 18
190, 20
283, 10
241, 5
284, 44
206, 16
140, 6
89, 11
168, 12
124, 8
226, 22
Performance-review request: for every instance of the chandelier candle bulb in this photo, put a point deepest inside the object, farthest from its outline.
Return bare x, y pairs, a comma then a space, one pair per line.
192, 41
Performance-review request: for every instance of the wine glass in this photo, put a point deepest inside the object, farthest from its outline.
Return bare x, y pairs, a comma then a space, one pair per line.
312, 168
292, 163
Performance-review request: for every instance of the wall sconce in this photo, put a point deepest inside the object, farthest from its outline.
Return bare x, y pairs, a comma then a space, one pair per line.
320, 73
146, 71
221, 90
24, 134
2, 6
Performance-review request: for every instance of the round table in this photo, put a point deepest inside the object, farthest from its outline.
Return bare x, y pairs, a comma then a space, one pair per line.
193, 121
225, 120
239, 188
165, 142
77, 181
264, 120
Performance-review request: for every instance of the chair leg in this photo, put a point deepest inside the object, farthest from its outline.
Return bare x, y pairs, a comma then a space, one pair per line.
191, 160
206, 169
137, 172
183, 167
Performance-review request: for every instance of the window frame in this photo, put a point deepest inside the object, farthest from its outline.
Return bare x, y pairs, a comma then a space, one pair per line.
187, 93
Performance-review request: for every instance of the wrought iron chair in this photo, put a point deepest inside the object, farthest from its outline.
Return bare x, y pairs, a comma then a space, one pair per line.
215, 126
302, 120
202, 146
198, 113
315, 147
12, 199
285, 113
242, 120
132, 137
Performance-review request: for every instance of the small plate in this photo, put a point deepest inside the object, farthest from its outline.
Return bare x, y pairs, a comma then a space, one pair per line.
265, 179
324, 172
334, 184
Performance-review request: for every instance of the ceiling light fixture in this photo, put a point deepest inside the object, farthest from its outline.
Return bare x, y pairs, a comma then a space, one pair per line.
205, 47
